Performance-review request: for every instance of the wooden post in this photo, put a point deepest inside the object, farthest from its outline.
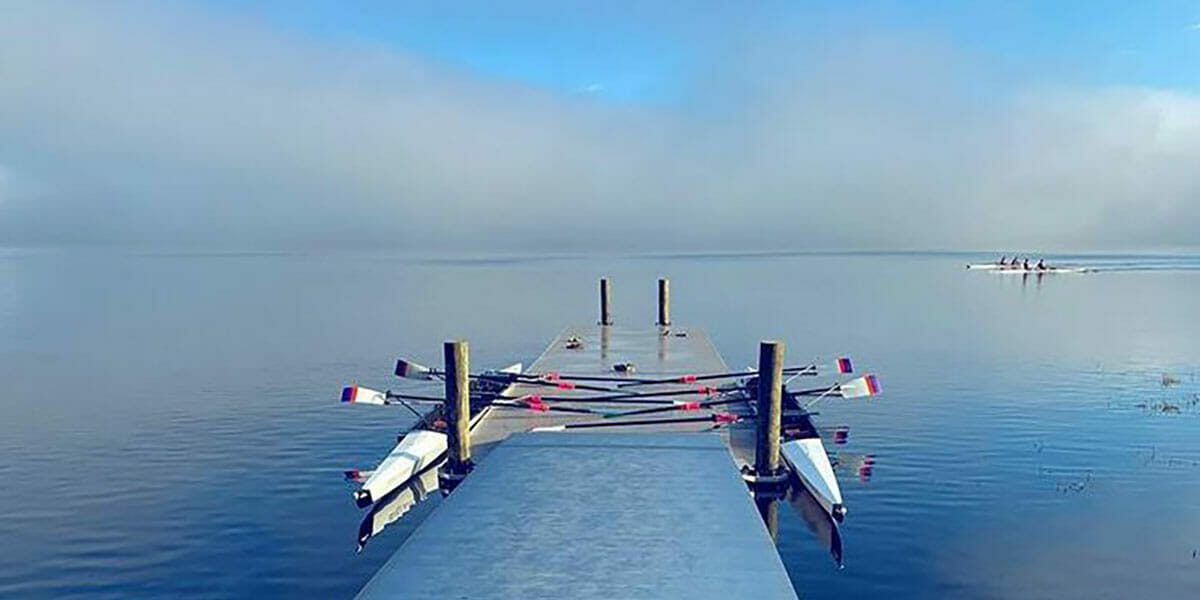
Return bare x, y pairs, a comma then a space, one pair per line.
605, 294
457, 409
664, 302
770, 407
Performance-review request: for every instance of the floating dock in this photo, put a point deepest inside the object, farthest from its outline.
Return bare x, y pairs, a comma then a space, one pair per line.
655, 511
569, 515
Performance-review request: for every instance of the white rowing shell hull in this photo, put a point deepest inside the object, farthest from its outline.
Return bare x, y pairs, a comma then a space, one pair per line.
1011, 271
1041, 271
419, 449
811, 464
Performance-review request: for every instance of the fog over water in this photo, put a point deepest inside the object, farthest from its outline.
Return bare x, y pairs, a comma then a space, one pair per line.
183, 125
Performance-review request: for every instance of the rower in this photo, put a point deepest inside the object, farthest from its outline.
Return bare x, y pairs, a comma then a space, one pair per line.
1003, 260
1025, 265
1041, 266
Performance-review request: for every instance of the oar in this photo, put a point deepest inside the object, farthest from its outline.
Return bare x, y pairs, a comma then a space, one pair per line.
867, 385
356, 394
804, 370
439, 400
594, 399
718, 418
680, 406
556, 376
843, 365
542, 407
411, 370
703, 390
360, 395
563, 384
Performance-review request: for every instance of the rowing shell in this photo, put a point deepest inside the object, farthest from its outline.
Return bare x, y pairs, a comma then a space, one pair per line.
1050, 270
1007, 270
811, 465
414, 452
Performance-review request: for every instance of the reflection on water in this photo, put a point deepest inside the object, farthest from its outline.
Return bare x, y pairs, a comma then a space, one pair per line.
396, 504
193, 452
822, 527
848, 464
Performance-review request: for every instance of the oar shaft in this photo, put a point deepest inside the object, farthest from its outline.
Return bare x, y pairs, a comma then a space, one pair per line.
812, 391
415, 397
637, 422
543, 407
573, 385
596, 399
605, 378
675, 407
629, 395
709, 377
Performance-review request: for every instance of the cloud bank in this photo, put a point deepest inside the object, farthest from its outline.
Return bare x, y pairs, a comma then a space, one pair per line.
139, 124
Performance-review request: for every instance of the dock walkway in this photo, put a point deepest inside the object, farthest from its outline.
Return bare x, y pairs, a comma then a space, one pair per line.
658, 512
562, 515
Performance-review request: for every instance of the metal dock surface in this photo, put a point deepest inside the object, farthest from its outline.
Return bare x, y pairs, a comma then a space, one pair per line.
564, 515
679, 352
650, 512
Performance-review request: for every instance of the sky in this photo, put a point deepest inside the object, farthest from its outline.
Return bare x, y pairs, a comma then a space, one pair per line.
570, 126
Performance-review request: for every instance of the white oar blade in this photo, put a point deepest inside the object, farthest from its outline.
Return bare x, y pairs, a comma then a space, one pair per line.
411, 370
513, 369
360, 395
867, 385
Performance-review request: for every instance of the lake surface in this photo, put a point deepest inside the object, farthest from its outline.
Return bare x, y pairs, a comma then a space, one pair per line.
169, 423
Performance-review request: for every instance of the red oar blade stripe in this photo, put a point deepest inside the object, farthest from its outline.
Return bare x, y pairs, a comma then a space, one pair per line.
844, 365
873, 384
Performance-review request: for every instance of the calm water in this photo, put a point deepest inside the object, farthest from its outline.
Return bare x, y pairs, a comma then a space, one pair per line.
169, 425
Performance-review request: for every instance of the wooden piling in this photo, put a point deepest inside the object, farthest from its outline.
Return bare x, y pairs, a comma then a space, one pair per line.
770, 408
605, 294
457, 408
664, 302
